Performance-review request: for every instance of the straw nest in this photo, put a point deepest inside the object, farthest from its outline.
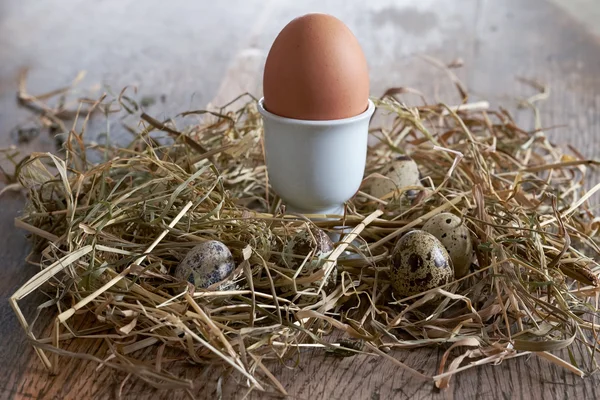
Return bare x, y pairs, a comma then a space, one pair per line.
111, 232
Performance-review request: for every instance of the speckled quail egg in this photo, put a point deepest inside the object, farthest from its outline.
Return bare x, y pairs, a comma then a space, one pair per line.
301, 244
402, 173
455, 236
206, 264
419, 262
305, 242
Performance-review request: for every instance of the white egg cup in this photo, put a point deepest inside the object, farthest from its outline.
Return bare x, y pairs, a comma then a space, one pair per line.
316, 166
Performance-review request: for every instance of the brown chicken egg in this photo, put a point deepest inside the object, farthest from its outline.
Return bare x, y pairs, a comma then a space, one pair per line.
316, 70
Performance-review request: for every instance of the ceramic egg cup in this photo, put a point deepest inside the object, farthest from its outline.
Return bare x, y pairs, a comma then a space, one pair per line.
316, 166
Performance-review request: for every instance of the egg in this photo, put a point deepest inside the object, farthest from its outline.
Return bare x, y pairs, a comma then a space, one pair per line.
301, 244
316, 242
420, 262
206, 264
403, 172
455, 236
316, 70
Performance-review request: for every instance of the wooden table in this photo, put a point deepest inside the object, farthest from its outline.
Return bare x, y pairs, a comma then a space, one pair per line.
186, 54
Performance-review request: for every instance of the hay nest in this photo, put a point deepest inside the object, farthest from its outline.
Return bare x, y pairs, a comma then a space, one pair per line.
111, 232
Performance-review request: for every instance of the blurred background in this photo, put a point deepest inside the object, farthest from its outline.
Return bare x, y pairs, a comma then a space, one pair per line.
183, 55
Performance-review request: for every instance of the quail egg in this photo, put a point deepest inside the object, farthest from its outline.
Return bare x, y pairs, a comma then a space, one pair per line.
305, 242
455, 236
206, 264
402, 173
419, 263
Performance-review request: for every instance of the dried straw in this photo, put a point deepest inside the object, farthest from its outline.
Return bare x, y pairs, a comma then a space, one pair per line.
110, 234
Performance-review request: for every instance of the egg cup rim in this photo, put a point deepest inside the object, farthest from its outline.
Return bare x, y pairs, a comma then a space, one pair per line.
311, 122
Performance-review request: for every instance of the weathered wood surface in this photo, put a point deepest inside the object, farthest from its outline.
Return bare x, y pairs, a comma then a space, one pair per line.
195, 53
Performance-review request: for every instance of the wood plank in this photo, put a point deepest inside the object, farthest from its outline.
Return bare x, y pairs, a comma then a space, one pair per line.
15, 352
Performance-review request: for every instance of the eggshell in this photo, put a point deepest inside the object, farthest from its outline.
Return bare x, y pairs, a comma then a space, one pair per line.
455, 236
316, 242
303, 243
403, 172
316, 70
206, 264
419, 263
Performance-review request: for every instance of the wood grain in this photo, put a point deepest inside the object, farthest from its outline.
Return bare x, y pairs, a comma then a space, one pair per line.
206, 52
